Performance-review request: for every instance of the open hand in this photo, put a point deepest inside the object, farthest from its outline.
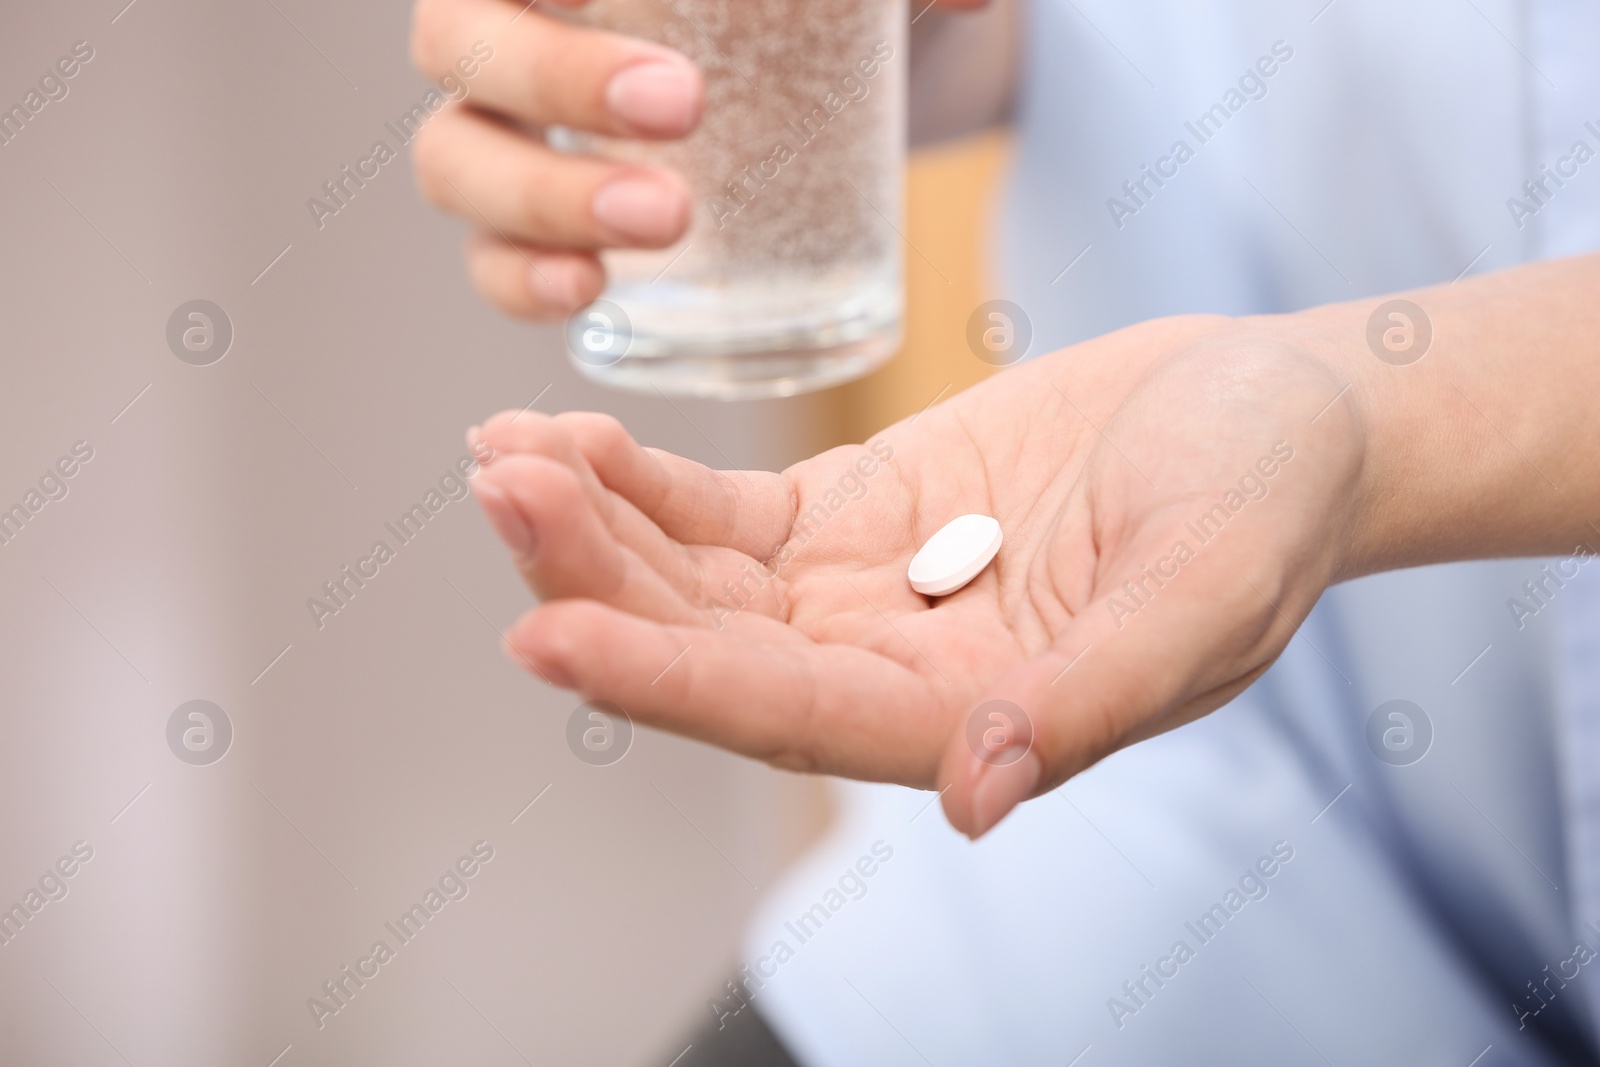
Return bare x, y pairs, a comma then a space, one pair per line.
1174, 498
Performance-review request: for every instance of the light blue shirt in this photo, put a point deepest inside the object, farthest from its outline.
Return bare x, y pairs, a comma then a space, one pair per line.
1330, 152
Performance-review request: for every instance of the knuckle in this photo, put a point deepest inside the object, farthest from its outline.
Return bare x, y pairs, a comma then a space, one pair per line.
564, 491
499, 282
484, 253
802, 751
428, 160
543, 637
530, 204
480, 248
549, 438
431, 23
553, 488
598, 434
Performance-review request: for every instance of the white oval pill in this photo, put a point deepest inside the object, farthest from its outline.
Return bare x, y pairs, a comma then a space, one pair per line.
955, 555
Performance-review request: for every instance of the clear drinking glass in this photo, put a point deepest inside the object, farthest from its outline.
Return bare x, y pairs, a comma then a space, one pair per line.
789, 277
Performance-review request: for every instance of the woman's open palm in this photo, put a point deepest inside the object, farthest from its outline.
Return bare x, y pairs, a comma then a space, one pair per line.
1174, 498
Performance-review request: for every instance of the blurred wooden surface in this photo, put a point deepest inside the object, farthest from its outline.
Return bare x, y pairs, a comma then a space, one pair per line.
949, 190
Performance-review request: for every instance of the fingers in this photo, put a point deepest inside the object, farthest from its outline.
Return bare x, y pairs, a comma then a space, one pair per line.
760, 689
540, 510
544, 499
750, 512
496, 177
543, 71
516, 68
531, 282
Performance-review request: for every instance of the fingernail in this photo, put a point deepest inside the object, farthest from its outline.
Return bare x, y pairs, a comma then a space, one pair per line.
641, 208
505, 517
1001, 789
659, 96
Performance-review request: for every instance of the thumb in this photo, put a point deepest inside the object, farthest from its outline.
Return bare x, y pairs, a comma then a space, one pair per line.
1130, 666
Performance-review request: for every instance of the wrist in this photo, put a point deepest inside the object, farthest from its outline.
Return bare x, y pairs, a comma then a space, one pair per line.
1471, 400
1358, 414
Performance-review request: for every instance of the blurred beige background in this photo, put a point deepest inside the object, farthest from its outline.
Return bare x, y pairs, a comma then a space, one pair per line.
369, 754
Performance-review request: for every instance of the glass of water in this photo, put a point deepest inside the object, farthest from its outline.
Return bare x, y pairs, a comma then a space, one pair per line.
789, 277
